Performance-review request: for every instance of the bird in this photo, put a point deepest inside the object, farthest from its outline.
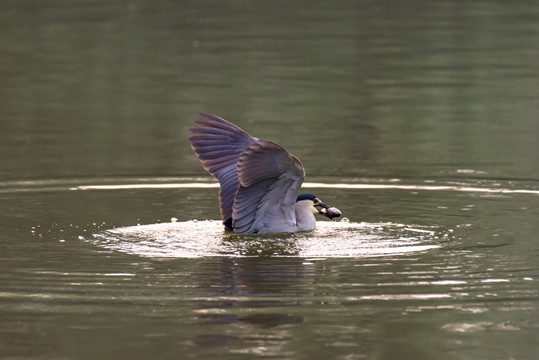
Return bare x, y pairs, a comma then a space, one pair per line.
259, 180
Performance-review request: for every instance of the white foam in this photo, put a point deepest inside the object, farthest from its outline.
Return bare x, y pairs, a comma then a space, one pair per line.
189, 239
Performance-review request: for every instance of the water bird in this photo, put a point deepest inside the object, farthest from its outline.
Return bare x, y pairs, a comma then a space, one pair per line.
259, 180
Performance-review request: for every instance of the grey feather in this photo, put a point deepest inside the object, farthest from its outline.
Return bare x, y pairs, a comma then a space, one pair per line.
219, 144
270, 178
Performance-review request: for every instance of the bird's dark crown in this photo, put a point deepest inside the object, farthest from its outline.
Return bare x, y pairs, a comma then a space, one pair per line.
305, 197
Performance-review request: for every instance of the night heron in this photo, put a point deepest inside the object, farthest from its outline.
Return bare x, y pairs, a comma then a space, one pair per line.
259, 180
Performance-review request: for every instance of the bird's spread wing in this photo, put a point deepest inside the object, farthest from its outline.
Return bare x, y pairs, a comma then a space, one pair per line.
270, 178
219, 144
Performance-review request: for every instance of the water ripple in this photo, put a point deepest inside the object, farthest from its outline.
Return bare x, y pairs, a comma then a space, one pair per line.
308, 185
470, 186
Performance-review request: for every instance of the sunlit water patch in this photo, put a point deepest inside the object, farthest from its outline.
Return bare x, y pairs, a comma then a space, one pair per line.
330, 239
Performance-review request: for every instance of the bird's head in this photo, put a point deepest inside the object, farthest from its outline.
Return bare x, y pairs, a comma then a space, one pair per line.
318, 207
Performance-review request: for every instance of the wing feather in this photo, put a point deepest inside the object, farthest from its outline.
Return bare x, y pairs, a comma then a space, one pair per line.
270, 178
219, 144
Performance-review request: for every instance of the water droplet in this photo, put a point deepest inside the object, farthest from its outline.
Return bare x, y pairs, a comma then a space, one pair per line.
345, 219
173, 219
81, 237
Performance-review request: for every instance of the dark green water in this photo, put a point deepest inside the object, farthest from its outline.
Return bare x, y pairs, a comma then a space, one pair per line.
426, 114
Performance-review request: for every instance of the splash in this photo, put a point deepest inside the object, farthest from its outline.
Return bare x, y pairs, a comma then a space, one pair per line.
193, 239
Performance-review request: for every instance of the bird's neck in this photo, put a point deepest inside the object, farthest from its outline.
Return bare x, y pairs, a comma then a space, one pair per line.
304, 216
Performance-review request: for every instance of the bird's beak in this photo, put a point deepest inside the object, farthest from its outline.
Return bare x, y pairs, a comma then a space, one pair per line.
327, 211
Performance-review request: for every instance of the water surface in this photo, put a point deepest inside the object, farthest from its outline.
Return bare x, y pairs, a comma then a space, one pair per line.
418, 120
